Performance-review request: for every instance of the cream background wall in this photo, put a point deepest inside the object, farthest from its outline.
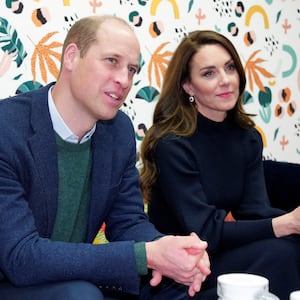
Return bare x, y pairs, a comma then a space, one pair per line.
265, 32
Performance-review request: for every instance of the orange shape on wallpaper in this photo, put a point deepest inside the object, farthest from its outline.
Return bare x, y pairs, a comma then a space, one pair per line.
42, 58
284, 142
291, 109
285, 94
253, 71
279, 111
158, 63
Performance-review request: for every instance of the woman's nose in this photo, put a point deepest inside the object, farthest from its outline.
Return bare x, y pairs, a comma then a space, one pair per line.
224, 78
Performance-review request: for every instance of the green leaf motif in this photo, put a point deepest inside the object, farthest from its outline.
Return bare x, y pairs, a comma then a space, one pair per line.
275, 134
247, 98
190, 5
278, 16
147, 93
141, 63
265, 113
28, 86
265, 97
11, 42
18, 76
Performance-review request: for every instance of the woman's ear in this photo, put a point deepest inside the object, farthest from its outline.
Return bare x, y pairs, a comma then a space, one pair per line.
187, 88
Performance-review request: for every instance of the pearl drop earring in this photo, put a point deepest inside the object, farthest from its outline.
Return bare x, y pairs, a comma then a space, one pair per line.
191, 99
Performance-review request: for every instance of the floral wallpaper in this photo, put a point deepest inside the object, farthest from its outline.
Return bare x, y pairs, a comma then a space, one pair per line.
265, 32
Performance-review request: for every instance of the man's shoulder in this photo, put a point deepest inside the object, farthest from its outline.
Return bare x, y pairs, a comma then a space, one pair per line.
120, 121
123, 117
18, 111
25, 98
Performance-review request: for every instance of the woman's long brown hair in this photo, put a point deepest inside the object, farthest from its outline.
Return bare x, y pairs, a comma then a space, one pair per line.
173, 112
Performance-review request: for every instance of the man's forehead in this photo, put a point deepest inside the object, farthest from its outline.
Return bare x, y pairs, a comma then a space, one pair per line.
121, 40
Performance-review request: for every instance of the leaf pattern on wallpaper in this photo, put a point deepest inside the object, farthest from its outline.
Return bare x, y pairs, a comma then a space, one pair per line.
253, 71
5, 62
42, 58
158, 64
265, 100
191, 2
11, 42
147, 93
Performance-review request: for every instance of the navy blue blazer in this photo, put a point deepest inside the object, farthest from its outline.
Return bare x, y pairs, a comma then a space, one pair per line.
28, 201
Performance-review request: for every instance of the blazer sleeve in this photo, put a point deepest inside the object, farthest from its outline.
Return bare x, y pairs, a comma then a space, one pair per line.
27, 255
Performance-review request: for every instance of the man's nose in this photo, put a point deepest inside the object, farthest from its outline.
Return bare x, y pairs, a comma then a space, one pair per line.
122, 77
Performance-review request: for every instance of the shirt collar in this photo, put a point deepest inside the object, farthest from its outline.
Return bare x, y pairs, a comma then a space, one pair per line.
61, 128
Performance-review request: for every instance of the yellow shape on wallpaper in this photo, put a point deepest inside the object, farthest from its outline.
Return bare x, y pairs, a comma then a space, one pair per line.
155, 4
262, 134
257, 9
66, 2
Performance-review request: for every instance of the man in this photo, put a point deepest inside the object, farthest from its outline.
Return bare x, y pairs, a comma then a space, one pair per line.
67, 164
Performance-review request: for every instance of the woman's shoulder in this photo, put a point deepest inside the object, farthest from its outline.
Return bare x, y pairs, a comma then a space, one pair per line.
172, 144
254, 135
173, 139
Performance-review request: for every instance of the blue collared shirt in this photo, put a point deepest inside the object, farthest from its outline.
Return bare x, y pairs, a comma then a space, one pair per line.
61, 128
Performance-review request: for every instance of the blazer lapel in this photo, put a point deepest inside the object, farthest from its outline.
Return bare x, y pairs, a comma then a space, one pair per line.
43, 147
101, 178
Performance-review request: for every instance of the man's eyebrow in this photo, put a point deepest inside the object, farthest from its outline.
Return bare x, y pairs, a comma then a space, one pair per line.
137, 66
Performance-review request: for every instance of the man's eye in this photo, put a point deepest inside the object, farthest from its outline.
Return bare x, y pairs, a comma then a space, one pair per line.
112, 60
132, 70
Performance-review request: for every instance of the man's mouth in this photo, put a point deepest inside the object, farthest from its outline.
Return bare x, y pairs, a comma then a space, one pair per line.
114, 96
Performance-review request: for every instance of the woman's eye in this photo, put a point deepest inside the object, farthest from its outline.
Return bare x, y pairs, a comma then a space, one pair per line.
231, 67
208, 74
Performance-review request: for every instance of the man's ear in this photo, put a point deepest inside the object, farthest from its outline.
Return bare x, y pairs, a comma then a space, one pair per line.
70, 55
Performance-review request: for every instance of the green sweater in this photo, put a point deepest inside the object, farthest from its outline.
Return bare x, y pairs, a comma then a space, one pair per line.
74, 168
74, 173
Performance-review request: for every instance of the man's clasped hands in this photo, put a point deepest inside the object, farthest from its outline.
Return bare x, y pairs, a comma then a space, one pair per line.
182, 258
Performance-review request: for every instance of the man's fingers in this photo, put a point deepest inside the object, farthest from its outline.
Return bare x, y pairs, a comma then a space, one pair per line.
195, 286
156, 278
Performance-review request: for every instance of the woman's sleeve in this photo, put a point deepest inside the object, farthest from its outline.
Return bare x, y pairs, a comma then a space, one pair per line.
255, 203
182, 186
180, 181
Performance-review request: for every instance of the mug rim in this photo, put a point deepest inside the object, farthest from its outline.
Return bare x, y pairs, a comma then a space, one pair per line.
294, 293
252, 279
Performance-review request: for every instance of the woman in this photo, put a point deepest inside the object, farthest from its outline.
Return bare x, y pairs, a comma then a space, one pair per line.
202, 158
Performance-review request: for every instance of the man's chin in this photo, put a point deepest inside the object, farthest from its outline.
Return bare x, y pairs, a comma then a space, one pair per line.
108, 116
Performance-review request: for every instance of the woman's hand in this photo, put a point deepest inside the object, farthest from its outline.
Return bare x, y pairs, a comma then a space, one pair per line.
287, 224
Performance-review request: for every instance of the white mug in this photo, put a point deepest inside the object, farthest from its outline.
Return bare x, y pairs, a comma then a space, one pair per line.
237, 286
295, 295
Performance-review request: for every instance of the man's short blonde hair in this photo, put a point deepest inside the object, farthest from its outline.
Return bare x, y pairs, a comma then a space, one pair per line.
84, 32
